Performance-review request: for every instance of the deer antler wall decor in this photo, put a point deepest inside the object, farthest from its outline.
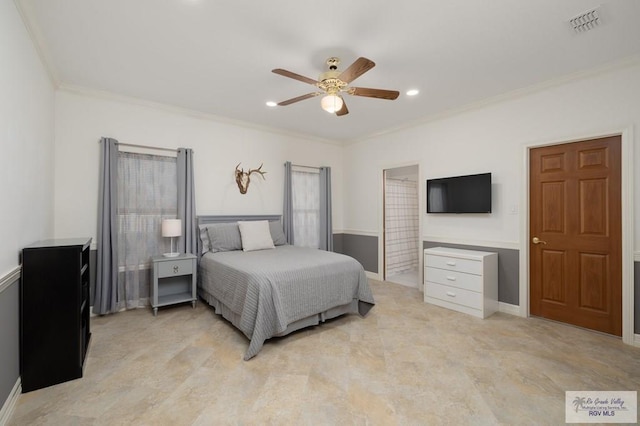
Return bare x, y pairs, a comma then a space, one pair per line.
244, 178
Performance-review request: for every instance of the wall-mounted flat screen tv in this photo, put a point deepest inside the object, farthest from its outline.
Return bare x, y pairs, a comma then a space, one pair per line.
460, 194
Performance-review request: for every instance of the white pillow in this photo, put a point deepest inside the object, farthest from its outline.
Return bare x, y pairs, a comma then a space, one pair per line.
255, 235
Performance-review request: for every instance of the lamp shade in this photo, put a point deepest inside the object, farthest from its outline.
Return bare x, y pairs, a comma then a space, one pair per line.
331, 103
171, 227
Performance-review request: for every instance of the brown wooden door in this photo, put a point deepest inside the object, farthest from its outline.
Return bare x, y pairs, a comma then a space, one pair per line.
575, 210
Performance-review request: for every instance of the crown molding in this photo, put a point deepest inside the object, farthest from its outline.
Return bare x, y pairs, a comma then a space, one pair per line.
111, 96
26, 11
629, 61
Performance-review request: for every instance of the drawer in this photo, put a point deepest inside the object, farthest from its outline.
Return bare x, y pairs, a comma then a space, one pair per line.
175, 267
457, 279
453, 264
454, 295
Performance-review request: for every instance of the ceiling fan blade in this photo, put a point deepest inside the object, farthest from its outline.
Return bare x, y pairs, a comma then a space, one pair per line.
374, 93
295, 76
356, 69
344, 110
298, 99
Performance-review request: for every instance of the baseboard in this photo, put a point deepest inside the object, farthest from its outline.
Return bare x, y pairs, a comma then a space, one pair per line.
373, 275
508, 308
414, 286
636, 340
7, 408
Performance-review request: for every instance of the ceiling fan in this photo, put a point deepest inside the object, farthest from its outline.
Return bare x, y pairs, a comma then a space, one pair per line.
334, 83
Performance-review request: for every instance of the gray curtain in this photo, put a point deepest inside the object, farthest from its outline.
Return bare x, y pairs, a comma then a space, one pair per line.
326, 226
287, 212
187, 202
105, 294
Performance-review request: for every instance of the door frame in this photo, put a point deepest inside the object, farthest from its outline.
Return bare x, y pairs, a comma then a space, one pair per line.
381, 210
626, 153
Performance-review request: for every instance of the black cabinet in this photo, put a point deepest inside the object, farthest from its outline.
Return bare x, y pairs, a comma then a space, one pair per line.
54, 312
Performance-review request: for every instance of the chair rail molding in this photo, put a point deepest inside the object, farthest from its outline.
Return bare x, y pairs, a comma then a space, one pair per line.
357, 232
514, 245
9, 278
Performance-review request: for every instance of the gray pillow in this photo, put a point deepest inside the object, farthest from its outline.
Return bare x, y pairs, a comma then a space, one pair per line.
277, 234
224, 237
204, 239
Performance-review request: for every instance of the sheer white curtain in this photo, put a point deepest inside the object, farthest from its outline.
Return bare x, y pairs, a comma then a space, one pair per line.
147, 193
401, 225
305, 194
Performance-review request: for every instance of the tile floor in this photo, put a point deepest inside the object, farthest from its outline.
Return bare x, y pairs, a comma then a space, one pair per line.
407, 363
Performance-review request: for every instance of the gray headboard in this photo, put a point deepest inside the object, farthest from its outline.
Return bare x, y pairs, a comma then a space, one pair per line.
208, 219
205, 220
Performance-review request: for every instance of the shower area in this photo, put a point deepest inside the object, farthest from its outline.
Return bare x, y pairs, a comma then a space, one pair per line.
401, 226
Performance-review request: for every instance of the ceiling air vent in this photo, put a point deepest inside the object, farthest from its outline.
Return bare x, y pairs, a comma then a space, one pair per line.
585, 21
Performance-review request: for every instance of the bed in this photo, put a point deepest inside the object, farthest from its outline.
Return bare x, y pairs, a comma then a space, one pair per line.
273, 292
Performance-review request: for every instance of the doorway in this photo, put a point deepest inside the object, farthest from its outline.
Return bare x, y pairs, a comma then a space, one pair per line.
401, 226
575, 248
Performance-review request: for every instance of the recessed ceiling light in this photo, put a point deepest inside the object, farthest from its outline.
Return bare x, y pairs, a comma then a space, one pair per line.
271, 104
412, 92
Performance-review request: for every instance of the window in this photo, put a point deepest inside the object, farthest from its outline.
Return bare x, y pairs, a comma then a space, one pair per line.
305, 194
307, 206
147, 193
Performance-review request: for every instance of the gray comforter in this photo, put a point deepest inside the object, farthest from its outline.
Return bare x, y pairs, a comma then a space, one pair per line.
267, 290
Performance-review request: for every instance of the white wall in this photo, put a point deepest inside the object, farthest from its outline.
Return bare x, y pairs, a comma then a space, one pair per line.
26, 178
81, 119
26, 138
491, 139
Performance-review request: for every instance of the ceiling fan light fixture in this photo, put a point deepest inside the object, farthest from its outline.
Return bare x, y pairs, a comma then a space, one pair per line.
332, 84
331, 103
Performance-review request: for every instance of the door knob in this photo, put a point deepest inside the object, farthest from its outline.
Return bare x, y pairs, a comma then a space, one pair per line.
537, 240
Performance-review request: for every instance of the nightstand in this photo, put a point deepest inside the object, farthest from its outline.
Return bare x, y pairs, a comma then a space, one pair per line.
174, 280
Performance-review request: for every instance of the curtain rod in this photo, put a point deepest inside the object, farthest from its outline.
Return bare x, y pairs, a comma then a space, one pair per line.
306, 167
145, 146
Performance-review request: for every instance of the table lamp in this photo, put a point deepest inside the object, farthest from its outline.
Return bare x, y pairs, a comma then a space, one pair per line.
171, 228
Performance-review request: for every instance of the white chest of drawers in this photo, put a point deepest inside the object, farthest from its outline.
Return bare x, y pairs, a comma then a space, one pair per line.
462, 280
